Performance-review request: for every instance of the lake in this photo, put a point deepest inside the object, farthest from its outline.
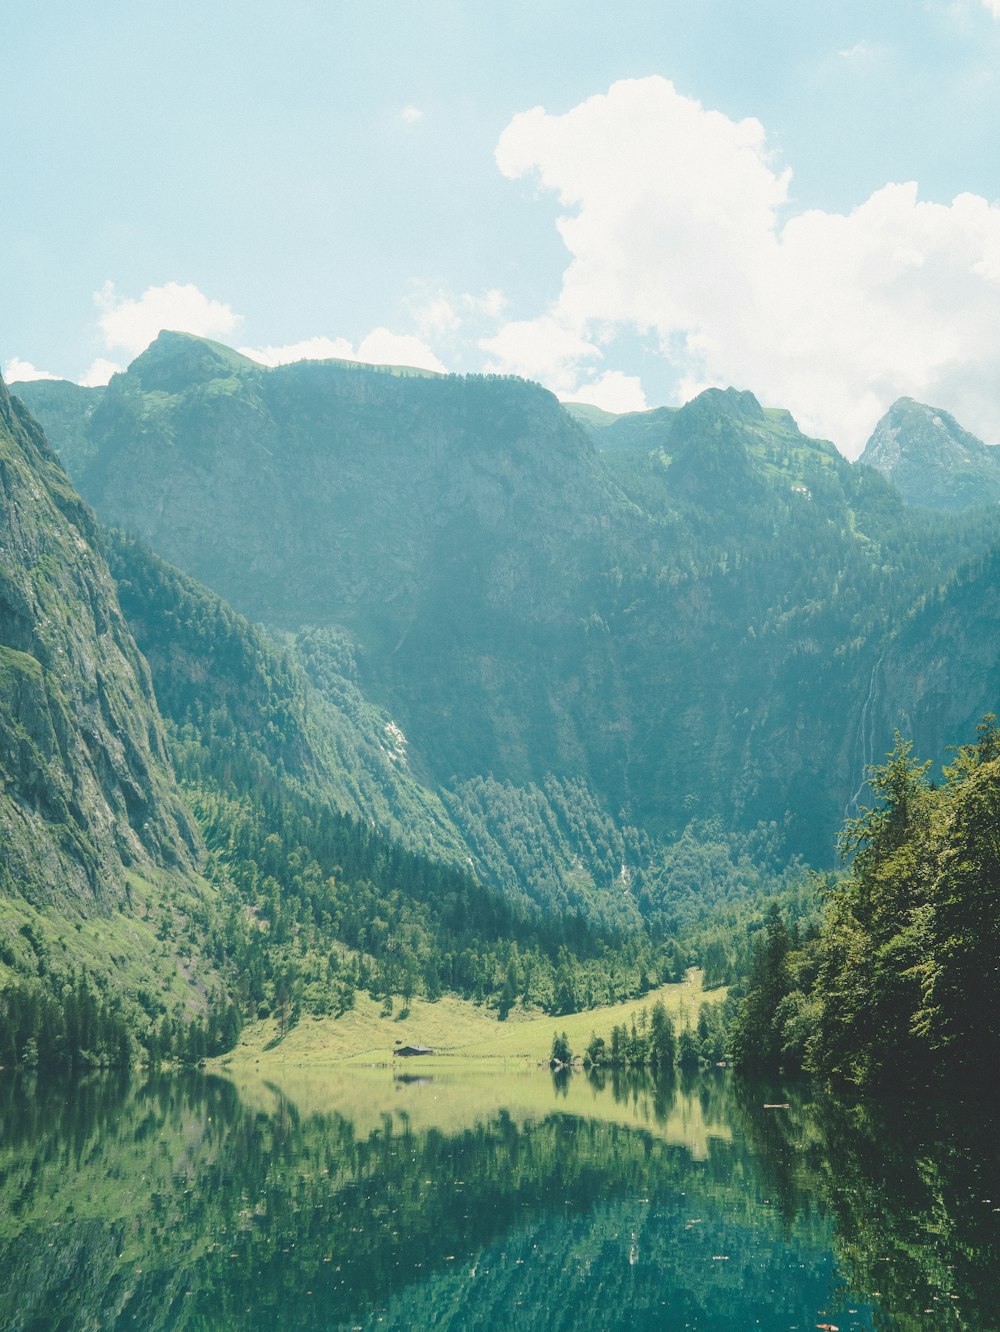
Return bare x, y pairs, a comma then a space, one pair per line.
488, 1198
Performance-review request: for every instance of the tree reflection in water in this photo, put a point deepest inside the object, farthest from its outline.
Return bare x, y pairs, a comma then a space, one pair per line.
575, 1200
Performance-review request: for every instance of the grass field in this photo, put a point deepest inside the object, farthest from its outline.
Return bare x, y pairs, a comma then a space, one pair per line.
454, 1028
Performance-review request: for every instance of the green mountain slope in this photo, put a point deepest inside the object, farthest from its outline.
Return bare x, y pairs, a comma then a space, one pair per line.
249, 706
312, 833
941, 670
87, 788
687, 629
66, 409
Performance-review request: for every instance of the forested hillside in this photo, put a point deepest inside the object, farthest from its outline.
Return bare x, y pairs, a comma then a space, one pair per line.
528, 720
692, 623
902, 983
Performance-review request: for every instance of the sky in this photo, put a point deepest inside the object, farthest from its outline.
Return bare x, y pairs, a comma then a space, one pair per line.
627, 202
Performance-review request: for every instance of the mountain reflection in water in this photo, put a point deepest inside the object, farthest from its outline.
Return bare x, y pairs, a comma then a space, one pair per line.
476, 1200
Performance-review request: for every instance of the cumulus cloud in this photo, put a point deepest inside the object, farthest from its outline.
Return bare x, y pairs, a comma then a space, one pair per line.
99, 372
311, 349
678, 225
411, 115
442, 314
613, 391
993, 6
382, 347
379, 347
546, 349
130, 325
16, 371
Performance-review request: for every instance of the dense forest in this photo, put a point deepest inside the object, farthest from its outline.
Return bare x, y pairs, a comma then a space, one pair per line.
901, 983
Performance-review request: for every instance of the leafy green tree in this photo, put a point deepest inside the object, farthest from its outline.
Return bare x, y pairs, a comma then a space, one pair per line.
597, 1050
875, 939
662, 1043
688, 1048
561, 1052
961, 977
756, 1038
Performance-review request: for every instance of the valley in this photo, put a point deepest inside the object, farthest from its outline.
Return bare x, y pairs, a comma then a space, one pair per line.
455, 695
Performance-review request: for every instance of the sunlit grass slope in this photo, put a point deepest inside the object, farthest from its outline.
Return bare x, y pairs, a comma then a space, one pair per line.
453, 1028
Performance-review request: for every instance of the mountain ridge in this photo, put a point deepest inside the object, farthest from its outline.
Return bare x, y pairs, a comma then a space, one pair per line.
523, 603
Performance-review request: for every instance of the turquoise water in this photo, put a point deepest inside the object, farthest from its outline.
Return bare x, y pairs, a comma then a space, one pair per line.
475, 1200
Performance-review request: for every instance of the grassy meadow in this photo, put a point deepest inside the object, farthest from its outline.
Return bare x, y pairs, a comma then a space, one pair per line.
456, 1029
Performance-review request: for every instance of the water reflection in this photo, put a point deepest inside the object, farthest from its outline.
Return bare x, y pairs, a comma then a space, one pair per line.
463, 1202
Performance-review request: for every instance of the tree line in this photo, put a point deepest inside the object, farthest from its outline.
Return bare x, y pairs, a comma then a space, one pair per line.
901, 985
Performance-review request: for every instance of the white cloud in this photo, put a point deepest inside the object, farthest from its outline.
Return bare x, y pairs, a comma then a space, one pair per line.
311, 349
677, 225
99, 372
131, 325
16, 371
439, 313
613, 391
863, 54
411, 115
993, 6
379, 347
546, 349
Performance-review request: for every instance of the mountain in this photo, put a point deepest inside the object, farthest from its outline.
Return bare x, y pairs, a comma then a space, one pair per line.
88, 793
262, 840
628, 430
931, 460
685, 630
66, 409
941, 670
456, 699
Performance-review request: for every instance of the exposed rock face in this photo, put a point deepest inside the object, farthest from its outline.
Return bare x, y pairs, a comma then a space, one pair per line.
931, 460
85, 785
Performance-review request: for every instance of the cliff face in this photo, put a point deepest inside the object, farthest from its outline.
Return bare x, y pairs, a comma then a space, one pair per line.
85, 785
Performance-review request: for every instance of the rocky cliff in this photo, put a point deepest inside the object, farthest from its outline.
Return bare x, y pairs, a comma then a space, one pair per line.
931, 459
85, 786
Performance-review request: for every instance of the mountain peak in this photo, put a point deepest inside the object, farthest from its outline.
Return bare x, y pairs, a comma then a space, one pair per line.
723, 404
931, 459
173, 361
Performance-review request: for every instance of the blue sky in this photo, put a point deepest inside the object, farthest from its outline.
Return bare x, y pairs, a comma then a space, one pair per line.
626, 202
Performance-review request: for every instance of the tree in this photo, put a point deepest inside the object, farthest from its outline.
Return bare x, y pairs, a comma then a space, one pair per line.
756, 1040
874, 944
662, 1043
960, 993
597, 1050
561, 1052
688, 1048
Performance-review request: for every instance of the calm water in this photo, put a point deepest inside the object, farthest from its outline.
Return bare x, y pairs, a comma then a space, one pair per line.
517, 1201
